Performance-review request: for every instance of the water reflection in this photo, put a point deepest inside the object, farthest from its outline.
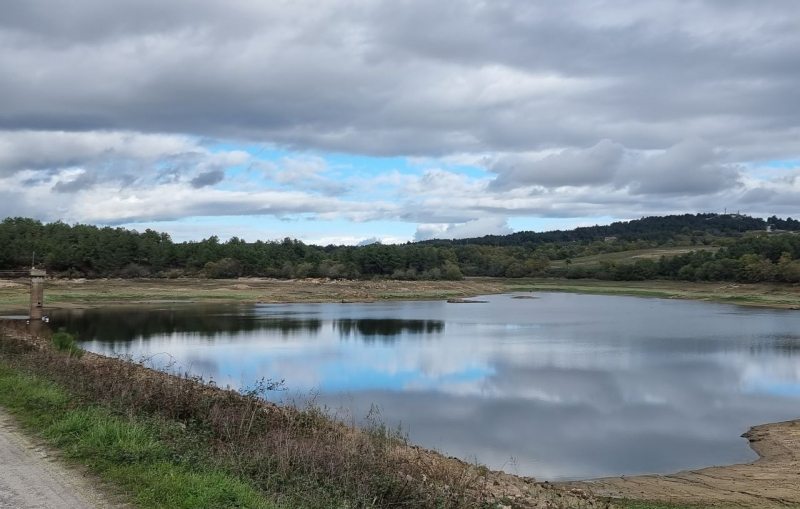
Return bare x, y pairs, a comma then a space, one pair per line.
570, 386
121, 325
386, 329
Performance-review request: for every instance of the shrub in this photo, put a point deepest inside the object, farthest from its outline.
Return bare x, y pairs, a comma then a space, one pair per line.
63, 341
133, 270
452, 272
227, 268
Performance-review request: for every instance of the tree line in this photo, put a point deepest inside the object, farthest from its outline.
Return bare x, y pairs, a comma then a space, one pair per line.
89, 251
754, 258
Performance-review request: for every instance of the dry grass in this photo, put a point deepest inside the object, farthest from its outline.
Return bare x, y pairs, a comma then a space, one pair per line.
297, 457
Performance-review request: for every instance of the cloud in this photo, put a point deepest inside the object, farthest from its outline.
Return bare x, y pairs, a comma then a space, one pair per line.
42, 150
208, 178
78, 182
369, 241
474, 228
410, 78
570, 167
691, 167
306, 172
576, 109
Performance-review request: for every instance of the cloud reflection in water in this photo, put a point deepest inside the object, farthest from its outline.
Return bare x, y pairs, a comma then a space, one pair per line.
570, 386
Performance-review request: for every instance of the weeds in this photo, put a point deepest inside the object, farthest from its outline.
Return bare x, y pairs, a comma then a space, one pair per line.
125, 451
295, 456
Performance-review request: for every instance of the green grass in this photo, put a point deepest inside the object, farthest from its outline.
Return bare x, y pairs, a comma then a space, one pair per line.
124, 452
65, 342
632, 256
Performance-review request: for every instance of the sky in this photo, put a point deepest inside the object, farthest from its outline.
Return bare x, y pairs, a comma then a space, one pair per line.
351, 122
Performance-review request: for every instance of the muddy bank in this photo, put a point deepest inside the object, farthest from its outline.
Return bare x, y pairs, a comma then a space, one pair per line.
771, 481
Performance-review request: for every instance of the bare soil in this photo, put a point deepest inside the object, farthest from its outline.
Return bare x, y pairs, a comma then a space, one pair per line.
771, 481
64, 293
59, 293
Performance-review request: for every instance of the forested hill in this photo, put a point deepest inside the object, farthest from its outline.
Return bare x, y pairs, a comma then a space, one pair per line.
692, 247
657, 229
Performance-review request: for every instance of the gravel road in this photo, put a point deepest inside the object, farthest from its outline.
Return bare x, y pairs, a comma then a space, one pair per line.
31, 479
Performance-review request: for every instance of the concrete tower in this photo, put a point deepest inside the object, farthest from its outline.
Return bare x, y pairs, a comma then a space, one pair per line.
37, 293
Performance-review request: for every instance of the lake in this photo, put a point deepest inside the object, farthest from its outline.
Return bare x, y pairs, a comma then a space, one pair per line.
559, 387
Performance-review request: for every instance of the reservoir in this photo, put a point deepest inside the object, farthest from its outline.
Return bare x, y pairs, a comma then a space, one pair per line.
562, 386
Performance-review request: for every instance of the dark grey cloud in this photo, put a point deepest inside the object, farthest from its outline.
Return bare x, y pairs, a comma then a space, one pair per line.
691, 167
411, 77
208, 178
82, 182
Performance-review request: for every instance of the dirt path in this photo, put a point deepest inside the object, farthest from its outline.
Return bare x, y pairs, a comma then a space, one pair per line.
771, 481
31, 479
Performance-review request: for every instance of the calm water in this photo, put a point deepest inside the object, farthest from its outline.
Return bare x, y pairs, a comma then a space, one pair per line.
561, 387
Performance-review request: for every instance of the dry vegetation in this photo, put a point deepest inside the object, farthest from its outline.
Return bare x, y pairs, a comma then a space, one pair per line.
296, 457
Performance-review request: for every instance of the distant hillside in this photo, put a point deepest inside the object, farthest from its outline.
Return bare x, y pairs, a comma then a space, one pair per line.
651, 229
692, 247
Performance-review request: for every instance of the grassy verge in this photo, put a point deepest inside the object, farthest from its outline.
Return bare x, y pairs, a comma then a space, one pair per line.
125, 452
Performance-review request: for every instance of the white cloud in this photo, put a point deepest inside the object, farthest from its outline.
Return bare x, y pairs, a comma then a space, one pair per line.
370, 241
473, 228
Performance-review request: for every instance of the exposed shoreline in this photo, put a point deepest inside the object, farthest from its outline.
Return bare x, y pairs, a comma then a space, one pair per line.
80, 293
773, 480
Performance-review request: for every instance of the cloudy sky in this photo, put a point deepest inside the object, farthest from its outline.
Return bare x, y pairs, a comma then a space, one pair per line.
343, 121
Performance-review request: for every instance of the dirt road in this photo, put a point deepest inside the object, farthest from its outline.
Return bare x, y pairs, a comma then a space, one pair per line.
30, 479
771, 481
